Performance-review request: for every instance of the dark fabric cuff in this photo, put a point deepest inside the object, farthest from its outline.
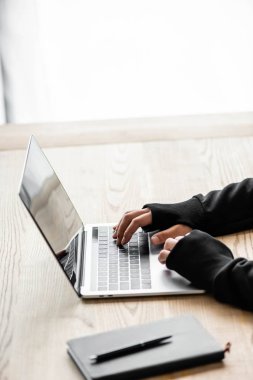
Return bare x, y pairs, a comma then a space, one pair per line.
189, 212
199, 258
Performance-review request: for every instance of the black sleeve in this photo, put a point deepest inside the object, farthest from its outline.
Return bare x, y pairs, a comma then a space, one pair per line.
209, 264
219, 212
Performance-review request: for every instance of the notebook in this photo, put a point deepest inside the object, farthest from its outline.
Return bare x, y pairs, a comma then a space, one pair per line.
190, 345
88, 255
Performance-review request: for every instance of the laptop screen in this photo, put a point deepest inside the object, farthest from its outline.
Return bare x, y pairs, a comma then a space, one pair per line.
49, 205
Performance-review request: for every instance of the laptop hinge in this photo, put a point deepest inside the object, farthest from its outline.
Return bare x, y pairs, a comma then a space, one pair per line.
81, 260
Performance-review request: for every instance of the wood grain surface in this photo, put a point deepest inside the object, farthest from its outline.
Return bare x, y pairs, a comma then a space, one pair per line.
39, 311
15, 136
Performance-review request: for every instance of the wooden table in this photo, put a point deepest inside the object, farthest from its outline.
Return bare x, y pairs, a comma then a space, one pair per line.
39, 311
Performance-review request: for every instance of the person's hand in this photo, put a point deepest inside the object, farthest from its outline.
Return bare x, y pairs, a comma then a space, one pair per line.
132, 220
129, 224
174, 232
168, 246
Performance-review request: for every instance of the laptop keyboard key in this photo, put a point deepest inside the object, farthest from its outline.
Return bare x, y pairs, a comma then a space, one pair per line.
124, 286
146, 286
113, 286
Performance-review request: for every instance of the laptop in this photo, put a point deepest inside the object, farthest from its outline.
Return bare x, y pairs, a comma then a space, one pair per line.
88, 255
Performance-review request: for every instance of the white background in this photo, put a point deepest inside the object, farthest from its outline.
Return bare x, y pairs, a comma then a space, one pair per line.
100, 59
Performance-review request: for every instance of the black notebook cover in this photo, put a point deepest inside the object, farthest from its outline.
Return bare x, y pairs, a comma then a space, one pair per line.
190, 345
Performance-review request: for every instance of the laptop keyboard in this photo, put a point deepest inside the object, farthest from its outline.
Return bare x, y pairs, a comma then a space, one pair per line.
71, 257
122, 268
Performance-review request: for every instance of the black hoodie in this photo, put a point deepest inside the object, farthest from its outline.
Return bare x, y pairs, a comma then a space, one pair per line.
199, 257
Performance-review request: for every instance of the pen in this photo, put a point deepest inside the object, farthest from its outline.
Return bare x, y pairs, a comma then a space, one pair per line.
127, 349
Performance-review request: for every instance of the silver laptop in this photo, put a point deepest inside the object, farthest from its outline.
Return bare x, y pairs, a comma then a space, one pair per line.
88, 255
